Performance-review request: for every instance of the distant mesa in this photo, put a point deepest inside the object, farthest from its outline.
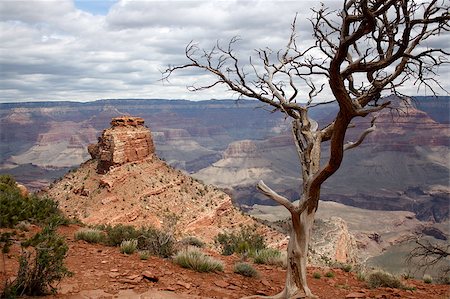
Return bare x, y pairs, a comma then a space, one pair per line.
127, 140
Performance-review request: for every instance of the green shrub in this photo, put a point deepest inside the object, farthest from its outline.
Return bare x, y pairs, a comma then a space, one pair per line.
380, 278
15, 208
269, 256
329, 274
116, 234
159, 242
144, 254
361, 276
90, 235
245, 269
40, 270
193, 241
194, 259
317, 275
128, 246
244, 241
427, 278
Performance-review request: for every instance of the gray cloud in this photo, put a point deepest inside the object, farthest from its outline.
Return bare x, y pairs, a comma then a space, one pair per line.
50, 50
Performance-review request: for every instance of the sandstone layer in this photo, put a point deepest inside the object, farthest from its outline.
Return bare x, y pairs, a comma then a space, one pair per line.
127, 140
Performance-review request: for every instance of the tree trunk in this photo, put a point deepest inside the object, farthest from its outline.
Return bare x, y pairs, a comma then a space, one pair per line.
297, 255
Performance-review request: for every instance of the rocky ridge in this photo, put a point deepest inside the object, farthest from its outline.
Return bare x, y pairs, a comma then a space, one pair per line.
127, 183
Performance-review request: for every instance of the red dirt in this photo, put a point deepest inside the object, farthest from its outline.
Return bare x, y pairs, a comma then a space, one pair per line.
103, 272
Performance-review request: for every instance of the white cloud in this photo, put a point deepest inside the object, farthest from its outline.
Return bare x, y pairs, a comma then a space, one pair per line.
50, 50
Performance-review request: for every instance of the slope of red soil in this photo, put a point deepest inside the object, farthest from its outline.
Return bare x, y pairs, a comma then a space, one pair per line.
103, 272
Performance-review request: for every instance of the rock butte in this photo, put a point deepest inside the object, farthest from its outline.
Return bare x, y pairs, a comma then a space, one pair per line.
127, 140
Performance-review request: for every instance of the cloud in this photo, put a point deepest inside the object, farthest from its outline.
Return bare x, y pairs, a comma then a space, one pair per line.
52, 50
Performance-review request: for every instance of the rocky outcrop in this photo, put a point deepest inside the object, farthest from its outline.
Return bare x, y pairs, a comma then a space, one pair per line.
240, 149
127, 140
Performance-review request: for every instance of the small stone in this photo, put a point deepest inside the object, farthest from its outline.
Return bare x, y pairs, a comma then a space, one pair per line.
184, 284
114, 270
221, 283
103, 262
265, 282
170, 289
150, 276
233, 287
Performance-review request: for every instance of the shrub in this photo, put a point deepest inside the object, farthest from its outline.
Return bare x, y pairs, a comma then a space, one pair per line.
244, 241
15, 208
317, 275
128, 246
116, 234
90, 235
380, 278
193, 241
41, 269
194, 259
269, 256
144, 254
427, 278
361, 276
157, 241
329, 274
245, 269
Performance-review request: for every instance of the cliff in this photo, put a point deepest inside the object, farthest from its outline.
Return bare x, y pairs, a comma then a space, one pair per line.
126, 141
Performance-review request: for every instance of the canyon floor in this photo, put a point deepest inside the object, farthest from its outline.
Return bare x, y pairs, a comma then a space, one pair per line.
103, 272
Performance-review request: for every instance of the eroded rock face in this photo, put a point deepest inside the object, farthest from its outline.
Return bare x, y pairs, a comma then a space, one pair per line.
126, 141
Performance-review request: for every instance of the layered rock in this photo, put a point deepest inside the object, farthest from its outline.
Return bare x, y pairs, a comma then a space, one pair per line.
141, 190
127, 140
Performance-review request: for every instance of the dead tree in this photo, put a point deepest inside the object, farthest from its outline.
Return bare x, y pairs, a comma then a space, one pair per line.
367, 48
427, 254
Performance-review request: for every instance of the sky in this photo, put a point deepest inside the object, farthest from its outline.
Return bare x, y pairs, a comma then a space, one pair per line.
86, 50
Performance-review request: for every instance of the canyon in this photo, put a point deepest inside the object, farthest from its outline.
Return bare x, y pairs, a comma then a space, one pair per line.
401, 168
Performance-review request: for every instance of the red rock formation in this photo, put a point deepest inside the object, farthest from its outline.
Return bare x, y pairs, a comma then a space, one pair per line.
126, 141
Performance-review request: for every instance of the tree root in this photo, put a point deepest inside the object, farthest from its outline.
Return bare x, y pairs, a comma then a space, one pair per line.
283, 295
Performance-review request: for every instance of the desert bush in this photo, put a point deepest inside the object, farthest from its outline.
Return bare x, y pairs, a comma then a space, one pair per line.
244, 241
329, 274
317, 275
15, 208
144, 254
269, 256
157, 241
193, 258
128, 246
90, 235
245, 269
193, 241
380, 278
41, 267
427, 278
116, 234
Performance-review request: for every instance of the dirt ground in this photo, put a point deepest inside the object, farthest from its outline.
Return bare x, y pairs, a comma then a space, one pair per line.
103, 272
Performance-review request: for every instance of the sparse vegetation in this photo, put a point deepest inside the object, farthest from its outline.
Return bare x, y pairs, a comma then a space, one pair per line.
330, 274
193, 258
427, 278
381, 278
40, 268
144, 254
90, 235
128, 246
245, 269
269, 256
193, 241
317, 275
245, 241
